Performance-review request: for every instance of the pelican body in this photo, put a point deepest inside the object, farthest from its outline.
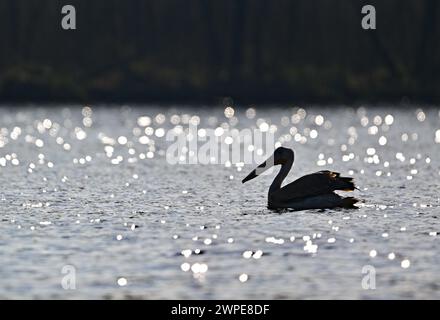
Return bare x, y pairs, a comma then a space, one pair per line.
312, 191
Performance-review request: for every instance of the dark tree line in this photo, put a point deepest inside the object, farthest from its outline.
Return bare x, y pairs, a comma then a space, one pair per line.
252, 50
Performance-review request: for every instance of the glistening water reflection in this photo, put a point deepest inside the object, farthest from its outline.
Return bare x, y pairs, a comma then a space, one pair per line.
90, 187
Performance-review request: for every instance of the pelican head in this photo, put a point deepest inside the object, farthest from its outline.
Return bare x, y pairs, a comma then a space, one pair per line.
280, 156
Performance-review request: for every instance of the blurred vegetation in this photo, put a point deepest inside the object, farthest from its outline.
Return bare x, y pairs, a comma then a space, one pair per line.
202, 50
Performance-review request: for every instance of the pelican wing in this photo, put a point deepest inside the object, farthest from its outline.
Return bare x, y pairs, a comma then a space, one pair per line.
322, 182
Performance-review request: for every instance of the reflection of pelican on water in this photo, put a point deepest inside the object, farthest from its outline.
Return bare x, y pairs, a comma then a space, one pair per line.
313, 191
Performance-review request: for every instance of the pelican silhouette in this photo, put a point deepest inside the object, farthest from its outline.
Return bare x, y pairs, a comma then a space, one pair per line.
312, 191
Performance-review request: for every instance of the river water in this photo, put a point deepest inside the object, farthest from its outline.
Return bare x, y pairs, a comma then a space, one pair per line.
91, 208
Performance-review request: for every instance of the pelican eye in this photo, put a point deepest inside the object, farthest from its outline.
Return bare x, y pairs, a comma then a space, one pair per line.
282, 161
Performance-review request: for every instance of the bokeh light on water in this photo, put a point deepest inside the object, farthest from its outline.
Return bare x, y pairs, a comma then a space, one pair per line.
89, 186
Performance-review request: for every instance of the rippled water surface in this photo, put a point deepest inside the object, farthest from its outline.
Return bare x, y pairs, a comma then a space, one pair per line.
88, 193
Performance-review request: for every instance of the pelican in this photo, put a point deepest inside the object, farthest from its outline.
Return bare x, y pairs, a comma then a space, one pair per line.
312, 191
